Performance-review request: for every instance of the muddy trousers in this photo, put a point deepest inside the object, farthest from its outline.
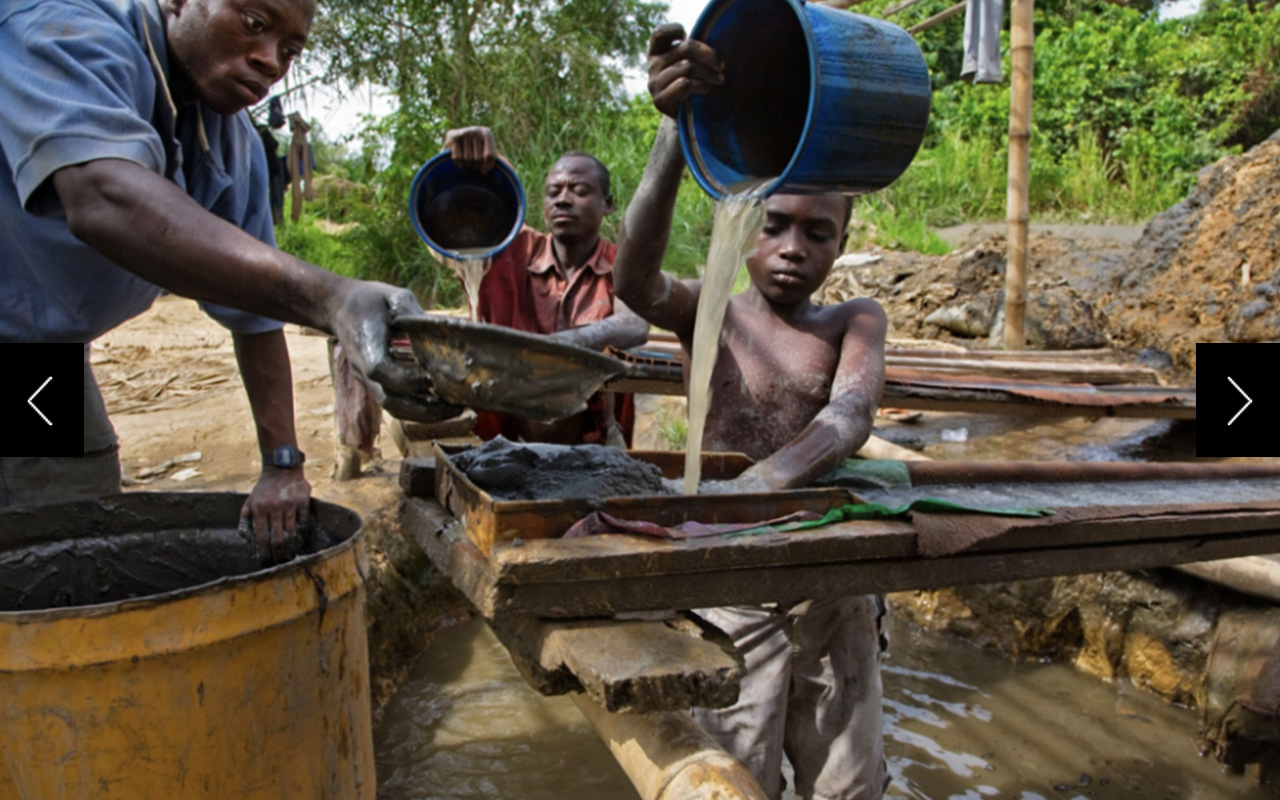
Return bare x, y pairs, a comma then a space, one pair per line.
33, 480
811, 689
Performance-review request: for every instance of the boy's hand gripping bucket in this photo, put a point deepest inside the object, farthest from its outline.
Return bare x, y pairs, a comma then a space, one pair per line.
815, 100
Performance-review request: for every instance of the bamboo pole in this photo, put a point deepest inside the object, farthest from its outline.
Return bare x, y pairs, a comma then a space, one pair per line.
668, 756
941, 16
1022, 39
894, 9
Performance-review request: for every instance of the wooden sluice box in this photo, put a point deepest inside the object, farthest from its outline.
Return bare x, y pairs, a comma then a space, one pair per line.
1109, 516
592, 614
488, 521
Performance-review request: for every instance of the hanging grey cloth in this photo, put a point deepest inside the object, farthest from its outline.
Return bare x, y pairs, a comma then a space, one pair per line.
982, 22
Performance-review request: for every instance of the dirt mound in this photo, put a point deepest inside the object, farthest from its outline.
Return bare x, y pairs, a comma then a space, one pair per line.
1206, 269
959, 296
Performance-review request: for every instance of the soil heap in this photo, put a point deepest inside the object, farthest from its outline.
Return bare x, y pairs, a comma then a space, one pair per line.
1205, 270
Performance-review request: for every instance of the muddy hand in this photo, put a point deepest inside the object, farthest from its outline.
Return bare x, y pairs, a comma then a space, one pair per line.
679, 68
472, 148
363, 324
278, 506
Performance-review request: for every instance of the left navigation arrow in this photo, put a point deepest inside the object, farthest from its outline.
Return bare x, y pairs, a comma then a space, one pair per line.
31, 401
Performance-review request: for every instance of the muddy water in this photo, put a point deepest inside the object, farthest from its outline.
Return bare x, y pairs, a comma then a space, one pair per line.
466, 725
470, 271
959, 723
738, 220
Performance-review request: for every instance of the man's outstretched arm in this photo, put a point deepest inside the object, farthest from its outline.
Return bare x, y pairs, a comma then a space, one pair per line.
623, 329
148, 225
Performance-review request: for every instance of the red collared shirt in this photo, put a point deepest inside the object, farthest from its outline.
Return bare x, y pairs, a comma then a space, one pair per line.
527, 290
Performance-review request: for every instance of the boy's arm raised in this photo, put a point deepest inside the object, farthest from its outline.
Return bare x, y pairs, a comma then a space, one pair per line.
679, 68
844, 424
642, 242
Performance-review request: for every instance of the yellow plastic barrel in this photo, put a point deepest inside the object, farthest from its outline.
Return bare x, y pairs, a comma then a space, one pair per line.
144, 654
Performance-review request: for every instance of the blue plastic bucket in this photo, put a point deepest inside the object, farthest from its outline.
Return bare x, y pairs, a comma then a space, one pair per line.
465, 214
815, 98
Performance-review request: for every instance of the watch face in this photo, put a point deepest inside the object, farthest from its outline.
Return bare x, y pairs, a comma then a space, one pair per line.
286, 457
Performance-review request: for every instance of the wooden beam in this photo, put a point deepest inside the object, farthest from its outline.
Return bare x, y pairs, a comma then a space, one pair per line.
985, 402
940, 17
794, 583
1029, 369
633, 666
668, 756
1018, 212
600, 575
1103, 354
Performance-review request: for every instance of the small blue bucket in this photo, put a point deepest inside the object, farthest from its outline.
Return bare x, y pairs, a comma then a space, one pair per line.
465, 214
815, 99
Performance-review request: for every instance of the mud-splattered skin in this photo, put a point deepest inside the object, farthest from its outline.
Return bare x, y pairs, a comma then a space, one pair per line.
796, 383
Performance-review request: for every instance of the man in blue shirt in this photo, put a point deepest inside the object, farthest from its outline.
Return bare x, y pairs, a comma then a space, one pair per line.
127, 165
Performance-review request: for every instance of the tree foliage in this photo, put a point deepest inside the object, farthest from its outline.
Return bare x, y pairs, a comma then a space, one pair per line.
545, 75
1127, 107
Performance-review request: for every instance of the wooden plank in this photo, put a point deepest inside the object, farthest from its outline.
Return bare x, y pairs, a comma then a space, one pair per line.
658, 386
608, 574
1027, 369
636, 666
418, 477
1100, 354
620, 556
663, 341
609, 557
439, 534
936, 473
602, 557
793, 583
996, 402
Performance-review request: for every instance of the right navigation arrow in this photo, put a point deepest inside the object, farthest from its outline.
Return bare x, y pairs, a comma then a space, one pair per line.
1248, 401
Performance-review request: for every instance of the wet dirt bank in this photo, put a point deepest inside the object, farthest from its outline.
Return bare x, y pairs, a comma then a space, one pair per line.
1205, 270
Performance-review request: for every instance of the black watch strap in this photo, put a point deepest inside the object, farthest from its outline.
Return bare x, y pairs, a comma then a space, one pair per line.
286, 456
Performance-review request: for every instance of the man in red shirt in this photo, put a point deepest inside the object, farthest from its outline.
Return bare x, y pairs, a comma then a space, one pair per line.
558, 284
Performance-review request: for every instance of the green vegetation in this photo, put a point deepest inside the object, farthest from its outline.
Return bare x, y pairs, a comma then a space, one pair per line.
1127, 109
673, 427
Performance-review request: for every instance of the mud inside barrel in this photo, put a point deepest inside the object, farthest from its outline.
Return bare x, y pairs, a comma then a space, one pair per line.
137, 546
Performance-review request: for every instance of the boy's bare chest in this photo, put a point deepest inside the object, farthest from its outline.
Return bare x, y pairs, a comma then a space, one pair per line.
767, 385
764, 360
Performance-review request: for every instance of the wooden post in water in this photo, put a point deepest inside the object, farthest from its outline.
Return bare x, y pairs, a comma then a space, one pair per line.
1022, 38
668, 756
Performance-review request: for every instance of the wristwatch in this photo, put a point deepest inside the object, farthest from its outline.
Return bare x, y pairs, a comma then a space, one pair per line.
286, 456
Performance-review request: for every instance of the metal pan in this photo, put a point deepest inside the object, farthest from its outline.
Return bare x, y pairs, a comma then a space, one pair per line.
499, 369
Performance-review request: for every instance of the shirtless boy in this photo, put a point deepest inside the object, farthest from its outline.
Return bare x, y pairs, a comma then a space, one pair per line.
795, 386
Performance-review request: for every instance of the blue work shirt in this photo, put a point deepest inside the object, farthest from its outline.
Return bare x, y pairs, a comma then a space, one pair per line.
80, 83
